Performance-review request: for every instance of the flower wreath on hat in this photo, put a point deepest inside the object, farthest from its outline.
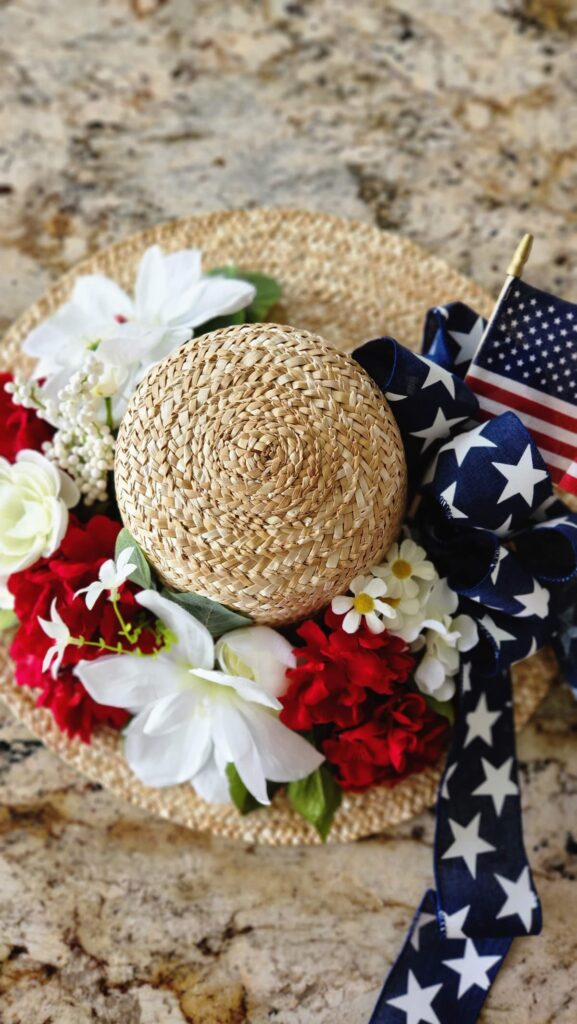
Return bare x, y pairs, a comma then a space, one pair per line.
361, 695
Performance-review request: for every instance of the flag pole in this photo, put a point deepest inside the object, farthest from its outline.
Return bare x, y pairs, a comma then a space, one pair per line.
522, 253
514, 272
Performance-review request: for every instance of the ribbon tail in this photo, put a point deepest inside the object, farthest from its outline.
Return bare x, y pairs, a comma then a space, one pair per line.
432, 979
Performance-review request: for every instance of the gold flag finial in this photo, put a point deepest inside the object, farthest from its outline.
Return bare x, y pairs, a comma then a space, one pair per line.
515, 268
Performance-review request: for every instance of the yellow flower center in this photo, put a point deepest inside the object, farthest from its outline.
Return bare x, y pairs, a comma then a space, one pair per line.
393, 601
363, 603
401, 569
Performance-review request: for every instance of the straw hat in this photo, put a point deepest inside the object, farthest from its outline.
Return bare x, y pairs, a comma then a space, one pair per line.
260, 467
343, 283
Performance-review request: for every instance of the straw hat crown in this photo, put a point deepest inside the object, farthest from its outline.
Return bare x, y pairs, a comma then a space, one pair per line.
261, 468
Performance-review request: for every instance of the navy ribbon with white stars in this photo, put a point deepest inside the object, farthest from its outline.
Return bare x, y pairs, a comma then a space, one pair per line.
490, 521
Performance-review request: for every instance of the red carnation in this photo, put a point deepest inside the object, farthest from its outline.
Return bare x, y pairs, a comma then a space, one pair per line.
76, 563
19, 427
397, 738
336, 672
351, 690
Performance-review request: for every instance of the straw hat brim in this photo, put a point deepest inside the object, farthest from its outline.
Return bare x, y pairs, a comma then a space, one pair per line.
348, 282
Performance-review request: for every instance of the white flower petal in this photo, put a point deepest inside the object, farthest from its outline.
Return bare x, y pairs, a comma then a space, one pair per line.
447, 690
68, 490
341, 605
129, 680
376, 588
93, 592
212, 297
193, 641
469, 634
211, 783
170, 712
374, 623
167, 760
233, 736
285, 756
359, 584
386, 609
351, 621
150, 288
183, 268
245, 688
100, 298
429, 674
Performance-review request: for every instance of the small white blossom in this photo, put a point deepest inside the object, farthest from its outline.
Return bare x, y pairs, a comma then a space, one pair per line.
58, 631
111, 576
365, 603
444, 638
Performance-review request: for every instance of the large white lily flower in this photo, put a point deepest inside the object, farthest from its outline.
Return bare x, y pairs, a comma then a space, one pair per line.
365, 603
445, 638
171, 298
58, 631
111, 576
191, 720
34, 500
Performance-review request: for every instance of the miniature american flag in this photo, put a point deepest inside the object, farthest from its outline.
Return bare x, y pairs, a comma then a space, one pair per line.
528, 362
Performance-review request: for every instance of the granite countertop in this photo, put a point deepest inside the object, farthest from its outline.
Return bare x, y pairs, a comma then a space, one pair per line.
452, 123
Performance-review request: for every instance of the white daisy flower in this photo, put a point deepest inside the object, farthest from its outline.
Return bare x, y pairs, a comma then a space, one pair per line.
405, 568
365, 603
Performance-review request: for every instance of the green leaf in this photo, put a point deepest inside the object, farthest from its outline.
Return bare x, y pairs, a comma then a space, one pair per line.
317, 798
142, 575
445, 708
239, 794
244, 801
7, 619
268, 291
214, 616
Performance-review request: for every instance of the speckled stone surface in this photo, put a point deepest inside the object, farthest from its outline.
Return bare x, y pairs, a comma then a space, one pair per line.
452, 123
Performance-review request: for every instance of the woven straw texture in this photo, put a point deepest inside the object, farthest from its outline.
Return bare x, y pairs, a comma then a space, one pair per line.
347, 282
260, 467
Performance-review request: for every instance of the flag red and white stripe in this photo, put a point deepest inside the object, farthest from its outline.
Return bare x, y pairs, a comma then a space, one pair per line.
551, 421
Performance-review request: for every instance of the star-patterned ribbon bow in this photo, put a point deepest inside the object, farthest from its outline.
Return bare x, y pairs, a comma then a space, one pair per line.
491, 523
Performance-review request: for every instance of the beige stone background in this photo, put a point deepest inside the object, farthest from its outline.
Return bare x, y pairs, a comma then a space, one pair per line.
453, 123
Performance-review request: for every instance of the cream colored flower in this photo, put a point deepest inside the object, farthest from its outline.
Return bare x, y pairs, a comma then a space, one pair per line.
34, 500
365, 603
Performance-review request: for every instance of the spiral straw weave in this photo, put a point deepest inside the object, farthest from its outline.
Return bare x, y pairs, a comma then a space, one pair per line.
349, 282
260, 467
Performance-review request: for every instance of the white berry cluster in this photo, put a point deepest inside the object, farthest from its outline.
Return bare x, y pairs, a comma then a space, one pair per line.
83, 444
24, 392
